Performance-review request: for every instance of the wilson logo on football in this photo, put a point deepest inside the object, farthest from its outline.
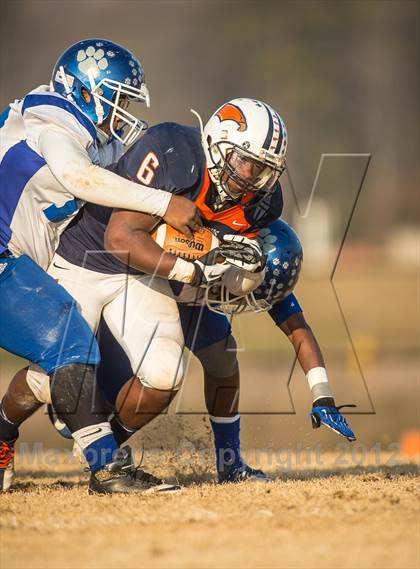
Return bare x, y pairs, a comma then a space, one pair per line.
231, 112
190, 243
175, 242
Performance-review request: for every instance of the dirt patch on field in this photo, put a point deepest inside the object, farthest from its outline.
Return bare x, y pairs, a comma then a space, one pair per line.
327, 515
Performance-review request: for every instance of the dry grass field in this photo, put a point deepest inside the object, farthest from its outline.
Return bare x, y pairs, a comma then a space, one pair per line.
324, 516
345, 507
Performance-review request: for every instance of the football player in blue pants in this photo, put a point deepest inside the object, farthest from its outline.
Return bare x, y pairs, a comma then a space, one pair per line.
54, 145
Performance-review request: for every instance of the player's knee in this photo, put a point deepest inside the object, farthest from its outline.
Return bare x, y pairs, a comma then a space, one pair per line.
74, 397
162, 367
39, 383
219, 359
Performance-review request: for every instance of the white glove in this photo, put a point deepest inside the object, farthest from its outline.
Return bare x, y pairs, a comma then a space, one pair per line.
207, 269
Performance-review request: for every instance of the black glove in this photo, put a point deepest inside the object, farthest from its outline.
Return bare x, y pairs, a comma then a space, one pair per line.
243, 252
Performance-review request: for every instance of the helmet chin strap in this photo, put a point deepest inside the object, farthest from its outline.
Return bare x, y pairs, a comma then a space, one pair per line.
99, 110
61, 77
221, 192
223, 196
102, 136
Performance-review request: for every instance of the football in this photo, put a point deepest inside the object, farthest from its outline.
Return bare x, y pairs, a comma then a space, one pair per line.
175, 242
240, 282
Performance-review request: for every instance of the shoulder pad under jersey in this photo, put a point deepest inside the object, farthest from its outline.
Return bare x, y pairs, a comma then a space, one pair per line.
44, 106
168, 156
180, 151
265, 210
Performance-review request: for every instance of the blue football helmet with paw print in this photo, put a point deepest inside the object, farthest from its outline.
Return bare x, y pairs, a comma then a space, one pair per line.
284, 256
101, 77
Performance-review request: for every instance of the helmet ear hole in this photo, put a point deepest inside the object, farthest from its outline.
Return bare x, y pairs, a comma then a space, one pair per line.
85, 94
214, 151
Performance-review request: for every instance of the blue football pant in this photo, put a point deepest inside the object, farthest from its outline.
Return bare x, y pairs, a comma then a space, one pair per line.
39, 320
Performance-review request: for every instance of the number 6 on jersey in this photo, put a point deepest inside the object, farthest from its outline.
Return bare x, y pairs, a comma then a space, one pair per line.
146, 171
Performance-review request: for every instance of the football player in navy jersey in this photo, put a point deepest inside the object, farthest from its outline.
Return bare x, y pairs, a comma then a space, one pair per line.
207, 333
231, 170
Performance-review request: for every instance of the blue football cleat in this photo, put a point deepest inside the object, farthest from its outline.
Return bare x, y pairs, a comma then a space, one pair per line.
331, 417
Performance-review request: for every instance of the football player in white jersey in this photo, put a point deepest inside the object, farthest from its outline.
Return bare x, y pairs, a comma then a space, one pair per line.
54, 144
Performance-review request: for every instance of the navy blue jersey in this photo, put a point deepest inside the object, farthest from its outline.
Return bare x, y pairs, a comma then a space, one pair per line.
170, 157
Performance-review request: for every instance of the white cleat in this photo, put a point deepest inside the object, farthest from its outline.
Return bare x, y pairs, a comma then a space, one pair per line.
7, 470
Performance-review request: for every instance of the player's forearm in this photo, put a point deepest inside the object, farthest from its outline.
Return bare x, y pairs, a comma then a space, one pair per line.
307, 349
312, 363
138, 250
309, 355
94, 184
71, 165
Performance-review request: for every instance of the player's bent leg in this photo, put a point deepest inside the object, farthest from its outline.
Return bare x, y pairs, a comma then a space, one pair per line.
33, 313
39, 321
137, 405
153, 342
145, 323
221, 387
16, 406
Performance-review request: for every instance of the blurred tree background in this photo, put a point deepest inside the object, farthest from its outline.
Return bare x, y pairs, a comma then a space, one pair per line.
344, 75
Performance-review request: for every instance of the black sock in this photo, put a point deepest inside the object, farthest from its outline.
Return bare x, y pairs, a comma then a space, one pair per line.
121, 433
9, 431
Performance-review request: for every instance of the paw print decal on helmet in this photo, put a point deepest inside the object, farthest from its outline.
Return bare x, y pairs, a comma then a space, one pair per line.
266, 240
91, 59
284, 255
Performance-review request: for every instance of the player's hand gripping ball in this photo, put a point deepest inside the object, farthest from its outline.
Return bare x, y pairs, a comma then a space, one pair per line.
175, 242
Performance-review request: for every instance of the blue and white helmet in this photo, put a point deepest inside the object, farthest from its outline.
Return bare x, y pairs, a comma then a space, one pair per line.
284, 255
100, 77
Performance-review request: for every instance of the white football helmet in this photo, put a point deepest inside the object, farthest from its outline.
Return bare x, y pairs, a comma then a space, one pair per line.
244, 131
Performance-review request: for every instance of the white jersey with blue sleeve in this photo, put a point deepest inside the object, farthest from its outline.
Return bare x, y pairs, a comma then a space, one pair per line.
35, 206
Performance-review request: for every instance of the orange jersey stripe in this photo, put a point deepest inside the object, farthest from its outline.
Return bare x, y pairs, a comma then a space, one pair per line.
234, 217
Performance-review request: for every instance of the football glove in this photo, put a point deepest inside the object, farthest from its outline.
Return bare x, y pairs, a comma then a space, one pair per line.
208, 269
326, 413
235, 250
243, 252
